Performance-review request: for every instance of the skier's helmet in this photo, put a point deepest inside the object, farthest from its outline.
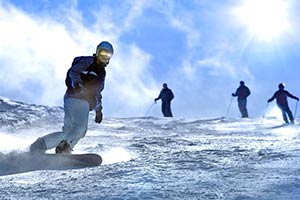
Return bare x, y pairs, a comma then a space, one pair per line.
242, 83
281, 86
104, 51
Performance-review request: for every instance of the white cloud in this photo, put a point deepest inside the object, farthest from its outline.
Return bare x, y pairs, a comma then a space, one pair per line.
34, 49
183, 20
118, 20
217, 67
129, 82
136, 10
37, 49
36, 52
189, 70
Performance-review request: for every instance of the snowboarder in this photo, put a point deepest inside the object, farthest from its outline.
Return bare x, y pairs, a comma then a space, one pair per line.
85, 81
242, 93
166, 95
281, 100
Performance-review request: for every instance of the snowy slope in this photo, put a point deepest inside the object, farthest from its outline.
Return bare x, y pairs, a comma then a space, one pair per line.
157, 158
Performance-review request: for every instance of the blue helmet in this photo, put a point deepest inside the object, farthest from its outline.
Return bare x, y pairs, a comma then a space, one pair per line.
105, 46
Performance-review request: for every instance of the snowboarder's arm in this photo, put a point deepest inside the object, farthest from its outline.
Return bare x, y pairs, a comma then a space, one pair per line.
99, 97
98, 108
79, 65
99, 102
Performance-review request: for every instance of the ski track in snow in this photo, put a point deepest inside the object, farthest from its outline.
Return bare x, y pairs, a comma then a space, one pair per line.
157, 158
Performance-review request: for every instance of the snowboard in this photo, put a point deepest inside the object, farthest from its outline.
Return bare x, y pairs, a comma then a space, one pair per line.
25, 162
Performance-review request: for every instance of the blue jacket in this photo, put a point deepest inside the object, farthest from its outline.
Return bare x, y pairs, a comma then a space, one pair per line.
85, 71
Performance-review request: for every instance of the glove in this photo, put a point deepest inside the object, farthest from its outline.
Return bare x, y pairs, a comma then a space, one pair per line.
155, 100
233, 94
76, 84
99, 116
297, 99
269, 101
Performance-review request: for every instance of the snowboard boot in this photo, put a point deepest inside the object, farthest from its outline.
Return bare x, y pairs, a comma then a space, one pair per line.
38, 147
63, 148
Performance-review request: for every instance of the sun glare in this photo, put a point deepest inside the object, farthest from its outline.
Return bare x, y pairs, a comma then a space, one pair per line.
264, 19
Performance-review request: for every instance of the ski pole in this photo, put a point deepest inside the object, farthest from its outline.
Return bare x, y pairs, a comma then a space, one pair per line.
229, 107
296, 109
262, 119
149, 109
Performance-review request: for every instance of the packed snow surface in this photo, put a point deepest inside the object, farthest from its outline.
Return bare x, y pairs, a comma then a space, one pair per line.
157, 158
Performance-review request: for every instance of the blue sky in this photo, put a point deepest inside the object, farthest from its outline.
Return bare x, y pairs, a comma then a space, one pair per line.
201, 48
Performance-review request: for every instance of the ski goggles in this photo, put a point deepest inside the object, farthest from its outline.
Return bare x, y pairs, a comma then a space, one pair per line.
105, 54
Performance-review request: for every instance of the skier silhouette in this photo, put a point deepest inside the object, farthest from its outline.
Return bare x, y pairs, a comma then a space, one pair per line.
166, 95
281, 100
242, 93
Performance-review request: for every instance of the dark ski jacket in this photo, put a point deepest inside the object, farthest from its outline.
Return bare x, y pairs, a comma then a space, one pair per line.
242, 92
281, 97
166, 95
84, 70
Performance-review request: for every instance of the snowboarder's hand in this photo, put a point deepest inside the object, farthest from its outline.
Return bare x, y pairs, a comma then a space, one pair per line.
76, 84
99, 116
155, 100
297, 99
233, 94
269, 100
